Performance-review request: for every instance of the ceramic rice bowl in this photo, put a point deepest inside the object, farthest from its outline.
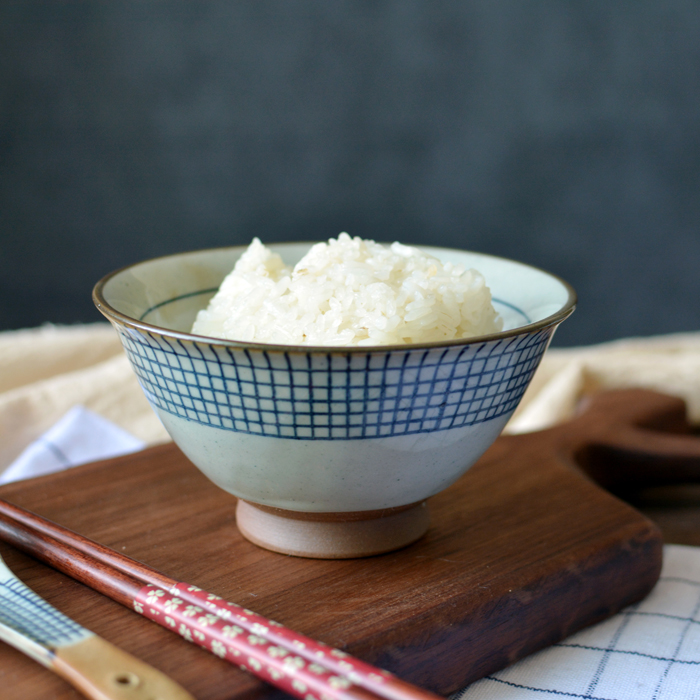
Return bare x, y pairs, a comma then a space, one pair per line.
331, 451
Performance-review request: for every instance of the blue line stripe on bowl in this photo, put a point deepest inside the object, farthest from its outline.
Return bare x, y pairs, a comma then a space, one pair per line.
189, 295
212, 290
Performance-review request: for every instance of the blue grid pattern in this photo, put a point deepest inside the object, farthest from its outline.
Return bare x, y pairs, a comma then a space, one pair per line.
24, 611
334, 395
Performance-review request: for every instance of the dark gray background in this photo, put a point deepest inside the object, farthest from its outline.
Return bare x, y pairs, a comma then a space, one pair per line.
565, 134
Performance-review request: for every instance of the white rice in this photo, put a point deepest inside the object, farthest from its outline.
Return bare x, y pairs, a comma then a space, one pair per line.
348, 291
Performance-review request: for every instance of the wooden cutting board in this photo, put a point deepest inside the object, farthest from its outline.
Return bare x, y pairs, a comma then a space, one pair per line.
522, 551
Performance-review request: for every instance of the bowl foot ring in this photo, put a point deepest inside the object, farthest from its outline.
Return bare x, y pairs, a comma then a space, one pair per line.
332, 535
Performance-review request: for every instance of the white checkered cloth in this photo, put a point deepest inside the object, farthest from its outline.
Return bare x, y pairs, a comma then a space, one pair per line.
81, 436
650, 651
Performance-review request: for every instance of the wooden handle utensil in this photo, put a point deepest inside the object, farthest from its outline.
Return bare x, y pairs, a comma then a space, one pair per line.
89, 663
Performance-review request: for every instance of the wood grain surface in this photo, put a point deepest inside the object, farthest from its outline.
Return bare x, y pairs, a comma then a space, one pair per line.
522, 551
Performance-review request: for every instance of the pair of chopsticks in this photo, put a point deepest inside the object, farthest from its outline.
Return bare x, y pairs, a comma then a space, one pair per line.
294, 663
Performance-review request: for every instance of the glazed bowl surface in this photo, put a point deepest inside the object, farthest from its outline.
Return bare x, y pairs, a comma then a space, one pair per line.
328, 429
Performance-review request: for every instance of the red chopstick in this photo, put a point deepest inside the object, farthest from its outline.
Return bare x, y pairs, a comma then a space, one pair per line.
297, 664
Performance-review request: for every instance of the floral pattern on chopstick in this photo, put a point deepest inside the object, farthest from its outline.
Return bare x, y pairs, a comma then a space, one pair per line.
243, 638
313, 651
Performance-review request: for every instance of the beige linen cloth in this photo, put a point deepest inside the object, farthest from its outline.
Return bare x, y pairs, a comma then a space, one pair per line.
48, 370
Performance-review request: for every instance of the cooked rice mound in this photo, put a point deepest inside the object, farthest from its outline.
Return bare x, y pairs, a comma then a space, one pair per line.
348, 291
